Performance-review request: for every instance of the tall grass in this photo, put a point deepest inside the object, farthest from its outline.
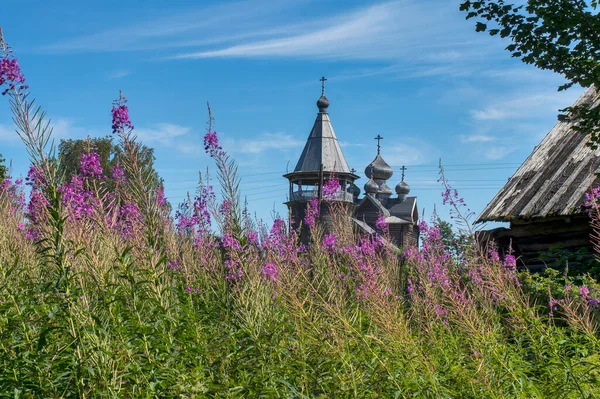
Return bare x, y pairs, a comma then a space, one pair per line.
103, 294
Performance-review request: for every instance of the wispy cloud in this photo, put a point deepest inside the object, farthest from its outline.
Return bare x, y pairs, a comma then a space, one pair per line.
119, 73
8, 134
62, 128
497, 152
524, 105
477, 138
163, 133
170, 135
389, 32
193, 28
409, 152
384, 31
264, 143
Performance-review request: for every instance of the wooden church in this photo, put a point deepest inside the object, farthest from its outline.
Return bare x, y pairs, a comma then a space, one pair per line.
322, 159
544, 200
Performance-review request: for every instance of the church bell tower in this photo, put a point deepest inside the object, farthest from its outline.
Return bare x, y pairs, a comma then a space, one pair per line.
321, 160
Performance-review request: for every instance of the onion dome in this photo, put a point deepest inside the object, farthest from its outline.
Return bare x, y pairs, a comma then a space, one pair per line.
379, 169
402, 188
371, 187
354, 190
384, 190
323, 103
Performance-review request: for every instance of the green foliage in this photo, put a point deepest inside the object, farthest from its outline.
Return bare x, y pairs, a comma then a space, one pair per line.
560, 36
111, 154
575, 264
71, 150
3, 169
453, 242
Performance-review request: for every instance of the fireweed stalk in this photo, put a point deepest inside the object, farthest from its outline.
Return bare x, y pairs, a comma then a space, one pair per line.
36, 133
229, 213
144, 195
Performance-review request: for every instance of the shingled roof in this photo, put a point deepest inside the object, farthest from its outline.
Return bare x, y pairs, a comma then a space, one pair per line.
322, 146
553, 180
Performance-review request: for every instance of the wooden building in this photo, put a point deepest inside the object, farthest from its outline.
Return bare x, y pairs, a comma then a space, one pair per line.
544, 199
322, 159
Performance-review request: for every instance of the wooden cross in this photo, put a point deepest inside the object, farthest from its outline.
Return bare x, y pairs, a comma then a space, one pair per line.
323, 79
378, 138
403, 168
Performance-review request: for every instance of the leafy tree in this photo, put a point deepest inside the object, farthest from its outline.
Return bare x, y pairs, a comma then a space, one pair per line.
453, 242
3, 169
556, 35
70, 152
111, 154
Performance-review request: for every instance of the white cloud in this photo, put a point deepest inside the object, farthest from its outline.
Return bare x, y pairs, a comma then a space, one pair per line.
162, 133
66, 129
192, 28
411, 152
62, 128
119, 73
477, 138
8, 133
384, 31
264, 143
345, 144
497, 152
520, 105
388, 31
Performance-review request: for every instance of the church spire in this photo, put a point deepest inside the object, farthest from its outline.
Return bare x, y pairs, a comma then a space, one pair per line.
322, 146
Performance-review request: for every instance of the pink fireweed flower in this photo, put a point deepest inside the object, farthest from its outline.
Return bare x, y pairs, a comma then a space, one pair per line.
568, 288
120, 116
195, 219
160, 196
252, 237
269, 271
312, 213
591, 198
510, 262
329, 241
331, 188
90, 166
118, 175
278, 229
584, 292
11, 75
36, 209
34, 178
225, 208
553, 305
409, 286
211, 145
77, 200
231, 242
129, 221
381, 225
234, 272
494, 257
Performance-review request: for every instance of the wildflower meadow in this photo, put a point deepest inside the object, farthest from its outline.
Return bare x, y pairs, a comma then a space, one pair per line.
109, 290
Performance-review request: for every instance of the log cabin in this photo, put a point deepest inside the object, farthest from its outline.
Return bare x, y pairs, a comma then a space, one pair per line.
544, 200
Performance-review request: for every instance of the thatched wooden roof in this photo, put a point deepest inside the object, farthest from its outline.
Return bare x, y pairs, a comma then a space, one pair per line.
553, 180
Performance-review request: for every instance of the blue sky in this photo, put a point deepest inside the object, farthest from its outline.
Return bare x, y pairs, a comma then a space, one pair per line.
413, 71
